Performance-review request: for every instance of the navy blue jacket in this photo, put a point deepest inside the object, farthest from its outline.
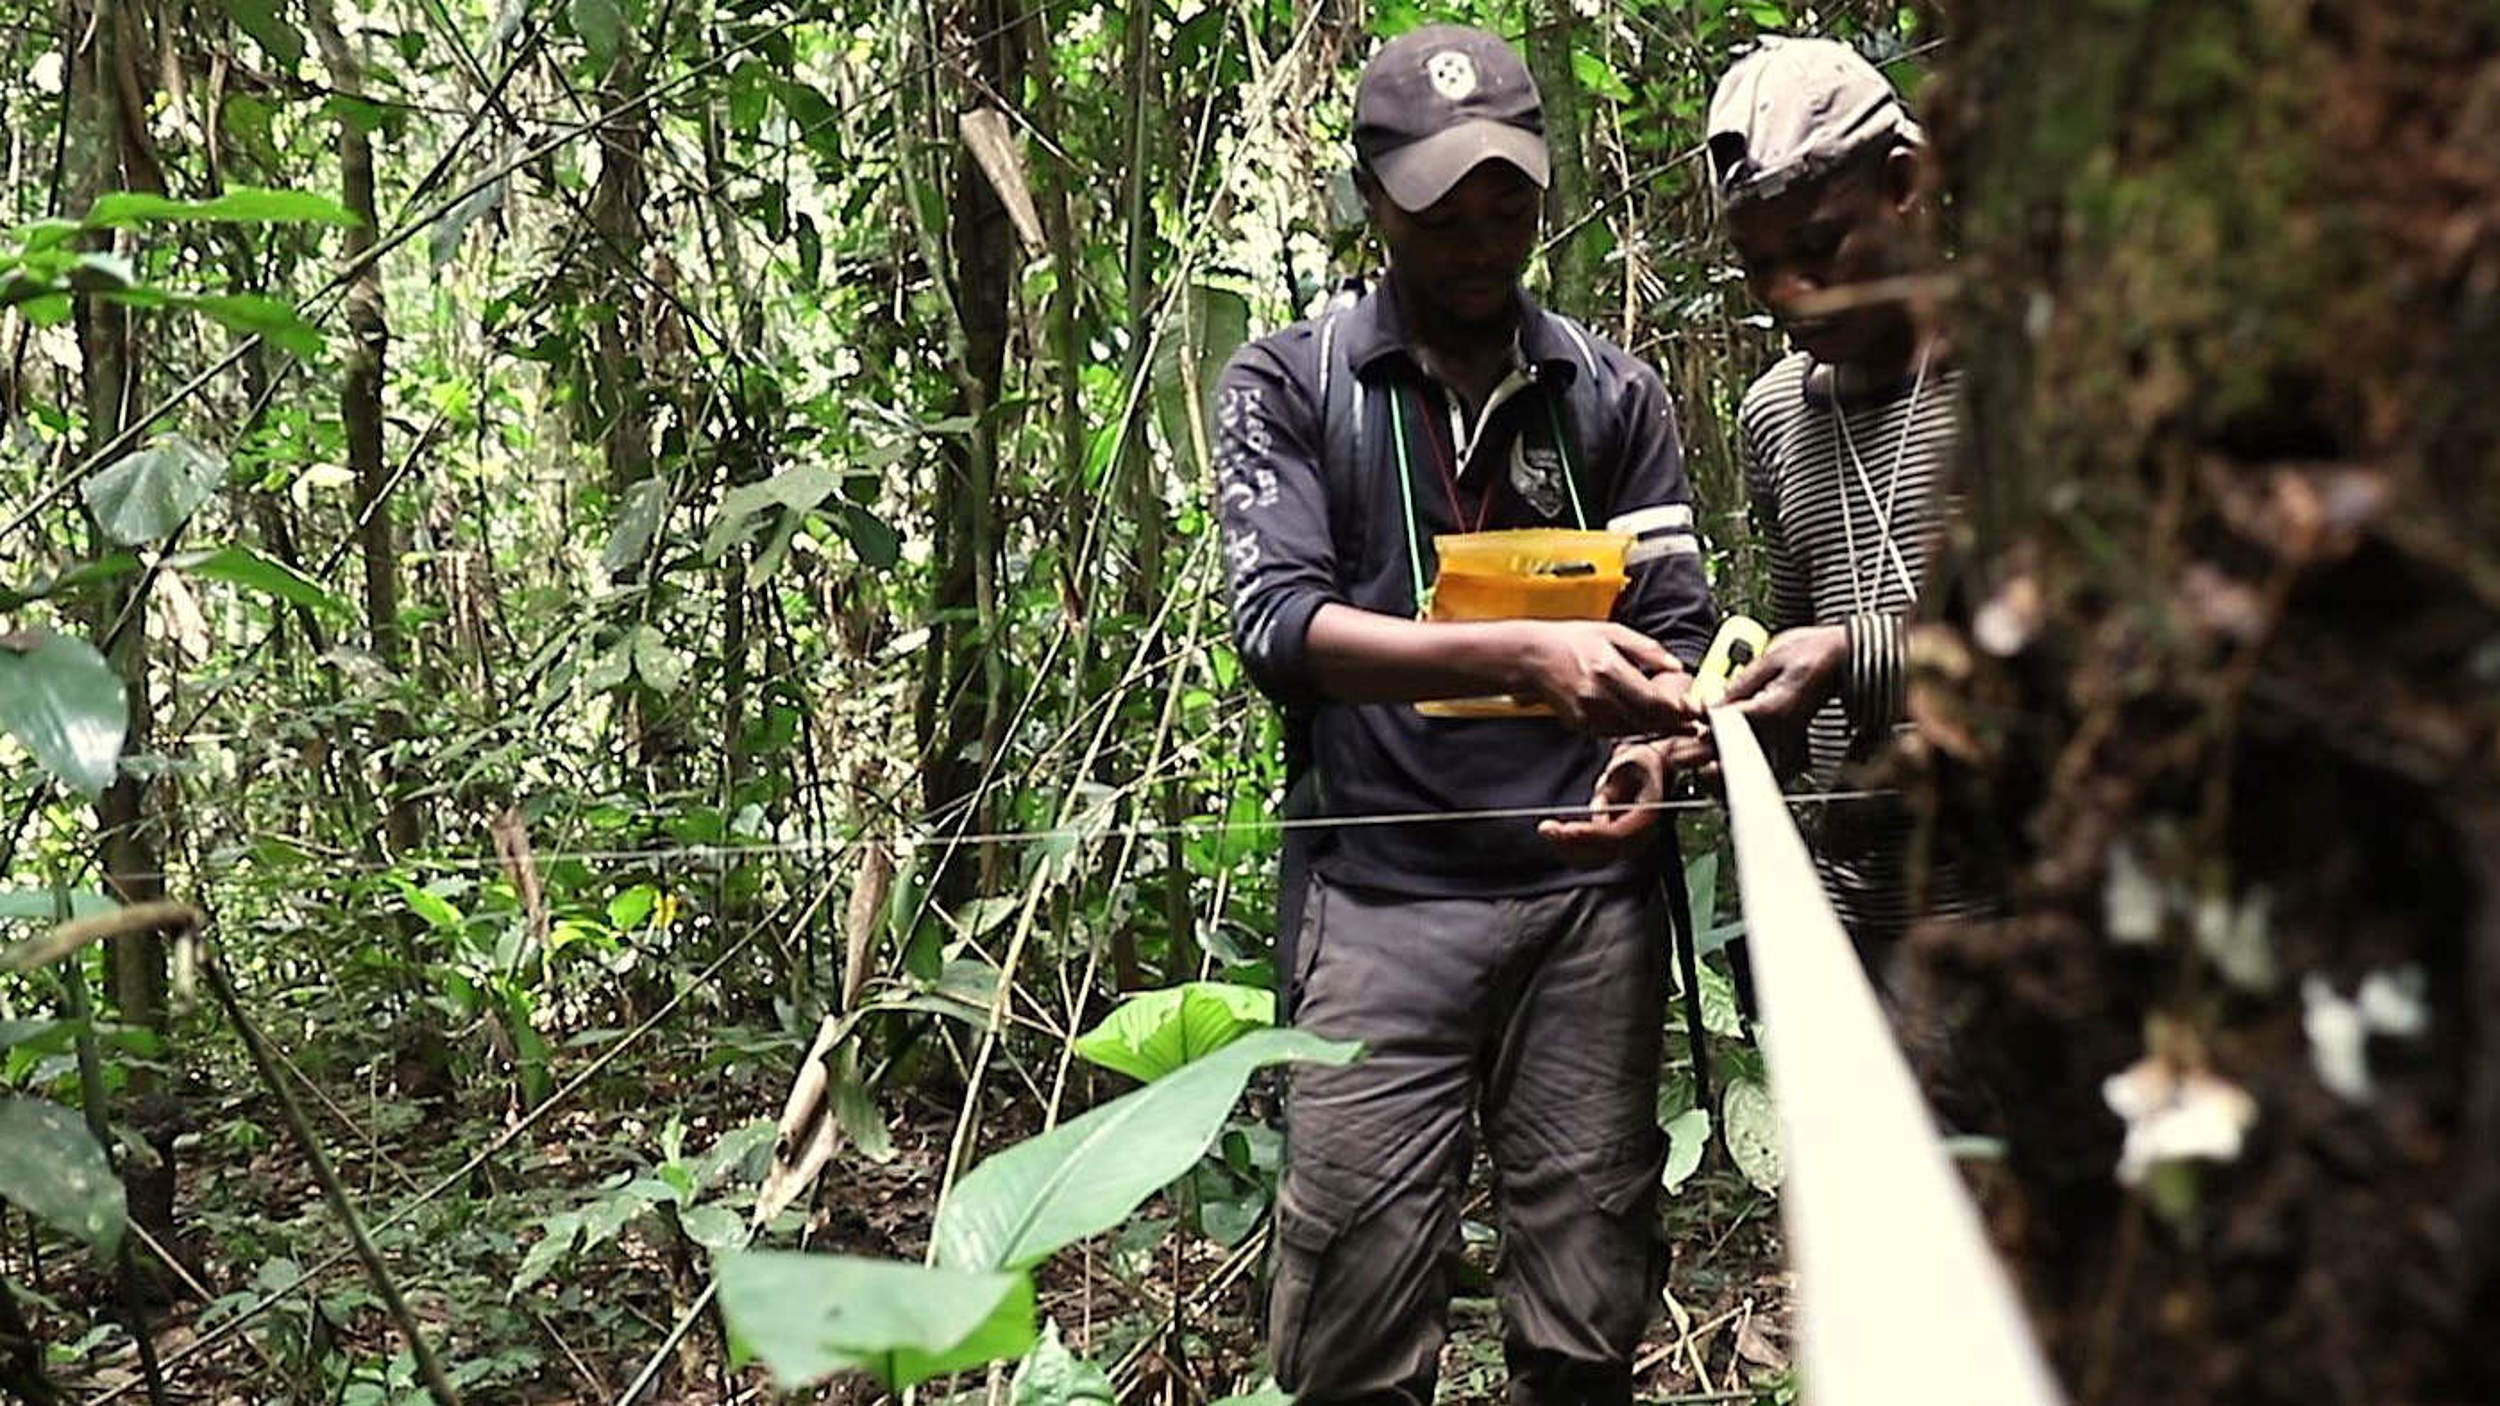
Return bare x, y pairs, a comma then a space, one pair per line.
1312, 512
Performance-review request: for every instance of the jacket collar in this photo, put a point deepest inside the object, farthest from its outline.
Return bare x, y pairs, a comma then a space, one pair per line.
1376, 331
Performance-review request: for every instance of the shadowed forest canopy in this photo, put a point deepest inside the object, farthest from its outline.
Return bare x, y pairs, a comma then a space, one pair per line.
567, 564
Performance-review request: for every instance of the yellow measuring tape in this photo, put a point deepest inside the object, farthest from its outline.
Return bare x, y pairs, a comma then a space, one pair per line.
1741, 640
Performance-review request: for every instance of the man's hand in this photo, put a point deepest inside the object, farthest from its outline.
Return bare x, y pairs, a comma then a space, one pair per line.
1634, 780
1800, 671
1602, 678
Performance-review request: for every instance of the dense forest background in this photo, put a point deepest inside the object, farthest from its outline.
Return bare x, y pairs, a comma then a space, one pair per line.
652, 544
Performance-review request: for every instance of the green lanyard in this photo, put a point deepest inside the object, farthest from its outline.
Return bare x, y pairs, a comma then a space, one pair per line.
1406, 485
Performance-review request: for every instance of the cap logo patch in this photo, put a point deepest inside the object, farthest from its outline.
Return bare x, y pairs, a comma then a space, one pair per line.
1453, 75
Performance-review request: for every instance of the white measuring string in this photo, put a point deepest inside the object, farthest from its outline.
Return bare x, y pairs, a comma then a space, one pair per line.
906, 839
1901, 1298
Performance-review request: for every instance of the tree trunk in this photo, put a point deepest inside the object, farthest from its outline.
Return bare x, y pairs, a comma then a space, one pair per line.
963, 683
110, 151
360, 416
2230, 630
1572, 261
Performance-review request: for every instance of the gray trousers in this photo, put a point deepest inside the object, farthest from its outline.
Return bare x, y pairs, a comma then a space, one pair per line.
1540, 1018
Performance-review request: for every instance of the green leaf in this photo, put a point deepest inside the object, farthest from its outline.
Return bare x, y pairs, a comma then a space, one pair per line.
1050, 1375
242, 205
1753, 1132
148, 493
1687, 1136
241, 566
1083, 1177
632, 906
273, 319
1268, 1395
809, 1316
712, 1227
564, 1231
796, 489
878, 544
59, 697
601, 25
107, 568
260, 19
1188, 361
645, 504
1156, 1032
35, 905
433, 907
1597, 77
443, 243
657, 661
1720, 1013
52, 1168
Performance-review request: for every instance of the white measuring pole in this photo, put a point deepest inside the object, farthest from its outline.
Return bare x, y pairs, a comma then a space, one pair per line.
1902, 1301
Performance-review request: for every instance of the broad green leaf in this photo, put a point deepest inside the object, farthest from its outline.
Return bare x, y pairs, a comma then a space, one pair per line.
433, 907
809, 1316
111, 567
632, 906
1050, 1375
1753, 1132
241, 566
148, 493
878, 544
601, 25
796, 489
564, 1231
712, 1227
52, 1168
1156, 1032
657, 661
645, 503
272, 318
239, 205
35, 905
1085, 1176
443, 243
1189, 359
1720, 1013
1687, 1136
261, 20
59, 697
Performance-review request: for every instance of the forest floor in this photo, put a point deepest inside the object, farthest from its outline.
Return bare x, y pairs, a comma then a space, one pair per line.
252, 1217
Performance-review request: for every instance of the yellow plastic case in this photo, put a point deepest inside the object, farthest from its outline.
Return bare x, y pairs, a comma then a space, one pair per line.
1534, 573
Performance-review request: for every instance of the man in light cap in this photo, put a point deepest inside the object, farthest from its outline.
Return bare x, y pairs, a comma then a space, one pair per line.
1821, 176
1482, 974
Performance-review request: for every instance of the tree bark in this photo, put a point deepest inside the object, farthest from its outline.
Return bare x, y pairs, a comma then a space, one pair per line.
110, 151
961, 703
2223, 642
361, 384
1572, 261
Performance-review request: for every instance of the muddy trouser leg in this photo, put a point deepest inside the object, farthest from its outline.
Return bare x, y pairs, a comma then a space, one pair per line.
1570, 1113
1367, 1216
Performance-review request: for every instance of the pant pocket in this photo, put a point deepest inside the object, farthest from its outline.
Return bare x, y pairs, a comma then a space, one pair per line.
1313, 1213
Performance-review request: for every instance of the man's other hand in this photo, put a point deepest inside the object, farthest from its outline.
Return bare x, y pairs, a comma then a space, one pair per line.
1623, 806
1799, 672
1603, 678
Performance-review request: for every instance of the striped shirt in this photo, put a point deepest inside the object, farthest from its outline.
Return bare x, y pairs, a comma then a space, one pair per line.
1851, 499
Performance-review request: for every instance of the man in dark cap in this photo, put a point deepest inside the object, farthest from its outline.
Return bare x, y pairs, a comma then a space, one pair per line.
1482, 974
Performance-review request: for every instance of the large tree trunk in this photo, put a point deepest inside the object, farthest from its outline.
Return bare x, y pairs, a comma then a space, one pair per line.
360, 417
961, 702
110, 151
2232, 648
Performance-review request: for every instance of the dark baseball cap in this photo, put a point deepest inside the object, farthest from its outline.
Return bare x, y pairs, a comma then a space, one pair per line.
1437, 102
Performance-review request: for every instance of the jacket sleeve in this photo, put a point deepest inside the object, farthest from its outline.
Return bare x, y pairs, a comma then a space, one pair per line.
1272, 508
1668, 599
